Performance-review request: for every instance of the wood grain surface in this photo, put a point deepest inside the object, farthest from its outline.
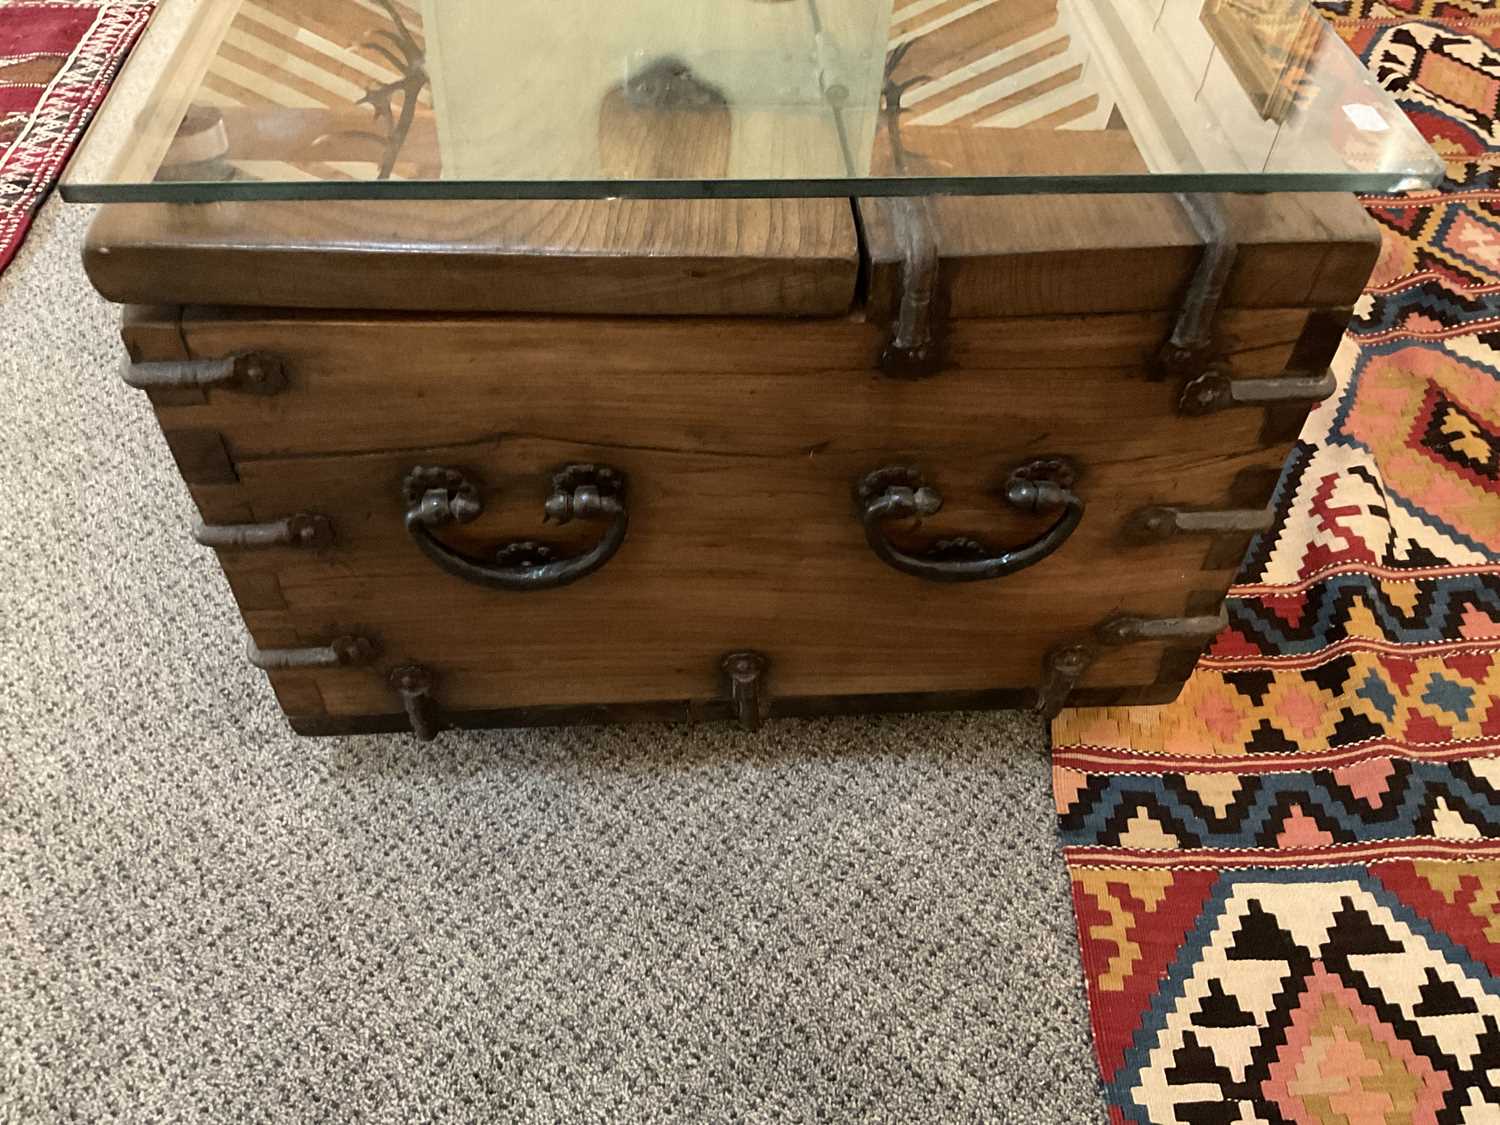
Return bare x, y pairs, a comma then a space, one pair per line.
731, 385
742, 461
1039, 254
725, 552
761, 257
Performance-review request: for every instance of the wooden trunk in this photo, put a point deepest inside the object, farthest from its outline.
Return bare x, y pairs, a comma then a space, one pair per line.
732, 362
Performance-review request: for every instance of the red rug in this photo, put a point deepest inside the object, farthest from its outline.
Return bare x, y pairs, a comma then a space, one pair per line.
56, 63
1288, 882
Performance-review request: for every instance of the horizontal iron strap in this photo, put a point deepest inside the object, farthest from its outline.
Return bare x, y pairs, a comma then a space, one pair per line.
1160, 523
343, 652
1217, 391
1283, 388
1130, 630
251, 372
305, 529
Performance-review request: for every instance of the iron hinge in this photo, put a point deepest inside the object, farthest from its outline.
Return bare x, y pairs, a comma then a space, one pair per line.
914, 347
1188, 351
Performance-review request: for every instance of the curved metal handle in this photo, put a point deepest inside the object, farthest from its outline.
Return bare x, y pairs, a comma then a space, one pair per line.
899, 492
437, 495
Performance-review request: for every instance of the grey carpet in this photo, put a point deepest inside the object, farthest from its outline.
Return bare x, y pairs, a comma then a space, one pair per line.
206, 918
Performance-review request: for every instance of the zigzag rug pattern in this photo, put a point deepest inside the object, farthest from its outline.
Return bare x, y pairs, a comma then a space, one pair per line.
1287, 883
1428, 304
1376, 799
1346, 701
1360, 605
1327, 995
1446, 239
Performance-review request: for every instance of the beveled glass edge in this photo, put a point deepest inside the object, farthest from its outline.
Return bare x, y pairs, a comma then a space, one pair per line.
1257, 183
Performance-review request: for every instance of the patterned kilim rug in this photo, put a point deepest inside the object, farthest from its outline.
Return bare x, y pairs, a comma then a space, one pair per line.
1288, 882
56, 62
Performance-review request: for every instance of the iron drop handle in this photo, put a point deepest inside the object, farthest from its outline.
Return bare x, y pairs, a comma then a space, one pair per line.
899, 492
436, 496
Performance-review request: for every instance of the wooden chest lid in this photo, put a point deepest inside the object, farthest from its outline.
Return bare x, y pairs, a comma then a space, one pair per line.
1053, 255
1003, 256
752, 257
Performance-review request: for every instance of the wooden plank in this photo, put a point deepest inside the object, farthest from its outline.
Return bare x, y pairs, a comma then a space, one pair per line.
201, 455
153, 334
298, 694
732, 385
1038, 255
717, 709
731, 552
693, 257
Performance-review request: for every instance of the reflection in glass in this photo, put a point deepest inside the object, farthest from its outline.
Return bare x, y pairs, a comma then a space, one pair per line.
484, 97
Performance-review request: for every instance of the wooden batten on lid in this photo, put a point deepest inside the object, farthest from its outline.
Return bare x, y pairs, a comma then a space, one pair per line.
761, 257
1049, 255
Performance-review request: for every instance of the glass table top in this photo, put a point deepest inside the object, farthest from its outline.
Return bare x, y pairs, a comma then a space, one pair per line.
554, 99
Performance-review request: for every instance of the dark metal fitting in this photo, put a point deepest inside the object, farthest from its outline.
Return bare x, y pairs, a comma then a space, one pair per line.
1188, 351
582, 503
437, 495
898, 491
413, 683
353, 649
1217, 391
915, 348
1074, 659
342, 652
901, 503
1125, 630
257, 373
745, 684
1034, 495
912, 361
305, 529
1160, 523
1180, 361
1062, 668
411, 678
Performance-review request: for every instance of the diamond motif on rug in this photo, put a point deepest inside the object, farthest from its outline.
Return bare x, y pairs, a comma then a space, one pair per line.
1457, 440
1458, 242
1340, 1062
1313, 996
1447, 79
1433, 412
1463, 10
1324, 797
